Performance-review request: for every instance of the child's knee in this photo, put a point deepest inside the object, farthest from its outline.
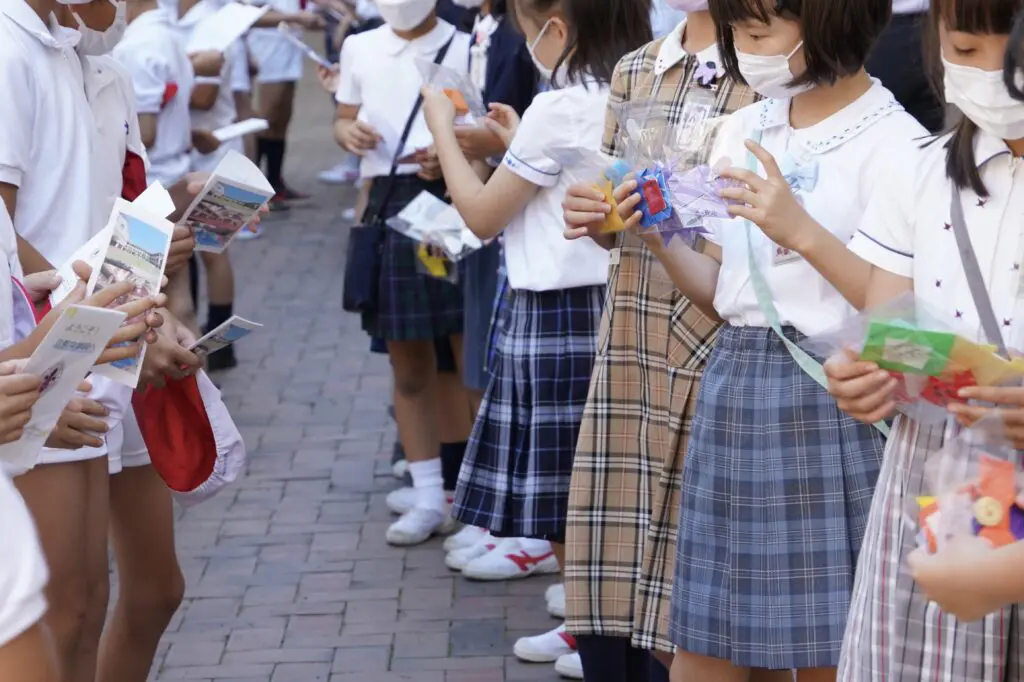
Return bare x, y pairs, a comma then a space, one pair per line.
152, 606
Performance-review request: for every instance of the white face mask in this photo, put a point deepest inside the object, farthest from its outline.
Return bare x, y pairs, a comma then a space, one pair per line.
688, 5
405, 15
982, 97
100, 42
469, 4
555, 79
770, 76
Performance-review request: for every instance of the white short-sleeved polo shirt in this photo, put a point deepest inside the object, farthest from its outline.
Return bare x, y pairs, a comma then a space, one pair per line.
834, 167
906, 229
162, 77
45, 132
23, 572
379, 75
537, 256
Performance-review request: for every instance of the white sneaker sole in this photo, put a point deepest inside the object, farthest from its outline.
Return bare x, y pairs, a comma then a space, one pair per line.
530, 656
568, 672
484, 575
557, 610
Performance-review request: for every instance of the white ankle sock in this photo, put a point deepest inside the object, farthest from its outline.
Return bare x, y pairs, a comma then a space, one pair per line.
429, 484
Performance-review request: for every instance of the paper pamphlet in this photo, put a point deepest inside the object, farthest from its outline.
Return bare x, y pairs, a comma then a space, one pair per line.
232, 197
218, 31
288, 34
241, 129
155, 200
63, 359
387, 147
224, 335
136, 252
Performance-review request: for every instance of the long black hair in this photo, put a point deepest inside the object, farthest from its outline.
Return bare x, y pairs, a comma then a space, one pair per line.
600, 31
1014, 66
968, 16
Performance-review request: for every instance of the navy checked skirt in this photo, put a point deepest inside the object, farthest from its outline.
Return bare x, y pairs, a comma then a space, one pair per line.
515, 478
412, 306
777, 485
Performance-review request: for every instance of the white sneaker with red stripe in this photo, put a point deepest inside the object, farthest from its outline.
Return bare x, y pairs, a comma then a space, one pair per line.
458, 558
555, 597
510, 560
570, 666
546, 648
465, 538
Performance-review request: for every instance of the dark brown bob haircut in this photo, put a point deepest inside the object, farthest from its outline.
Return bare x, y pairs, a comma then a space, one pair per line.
838, 34
980, 17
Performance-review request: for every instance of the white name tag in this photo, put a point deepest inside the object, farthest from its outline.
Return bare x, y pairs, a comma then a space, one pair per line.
613, 256
784, 255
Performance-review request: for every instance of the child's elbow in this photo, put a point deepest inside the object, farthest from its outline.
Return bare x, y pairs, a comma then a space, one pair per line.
203, 98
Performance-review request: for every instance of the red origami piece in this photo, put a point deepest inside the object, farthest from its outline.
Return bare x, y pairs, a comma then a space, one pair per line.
943, 390
653, 196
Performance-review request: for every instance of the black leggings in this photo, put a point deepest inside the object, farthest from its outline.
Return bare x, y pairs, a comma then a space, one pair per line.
612, 659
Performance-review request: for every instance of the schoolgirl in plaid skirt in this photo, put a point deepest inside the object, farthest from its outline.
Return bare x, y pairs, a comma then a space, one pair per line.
776, 482
948, 617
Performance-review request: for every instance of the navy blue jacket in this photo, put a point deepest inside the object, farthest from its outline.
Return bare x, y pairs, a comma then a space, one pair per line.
511, 77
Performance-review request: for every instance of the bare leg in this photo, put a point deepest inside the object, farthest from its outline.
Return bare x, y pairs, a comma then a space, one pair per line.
275, 102
97, 568
414, 365
243, 105
179, 300
811, 675
29, 657
151, 583
687, 667
220, 278
60, 498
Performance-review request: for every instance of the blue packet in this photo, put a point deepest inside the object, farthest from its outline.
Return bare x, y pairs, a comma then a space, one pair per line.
617, 172
655, 204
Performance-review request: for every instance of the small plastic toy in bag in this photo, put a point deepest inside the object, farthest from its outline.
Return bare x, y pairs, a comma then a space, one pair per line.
429, 261
587, 165
930, 361
467, 98
430, 220
973, 488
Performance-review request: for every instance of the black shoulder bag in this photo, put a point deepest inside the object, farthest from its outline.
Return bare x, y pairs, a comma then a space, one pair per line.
360, 293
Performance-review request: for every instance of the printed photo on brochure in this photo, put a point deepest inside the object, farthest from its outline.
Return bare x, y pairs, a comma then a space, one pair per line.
224, 335
231, 199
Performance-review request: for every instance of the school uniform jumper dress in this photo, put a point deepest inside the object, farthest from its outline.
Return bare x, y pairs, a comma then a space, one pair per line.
894, 632
654, 343
777, 482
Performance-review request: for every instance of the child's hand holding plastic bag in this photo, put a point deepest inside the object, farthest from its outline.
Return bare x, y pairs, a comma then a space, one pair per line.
971, 523
929, 363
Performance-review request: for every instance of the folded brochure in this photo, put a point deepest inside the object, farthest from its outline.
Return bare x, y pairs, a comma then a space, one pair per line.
224, 335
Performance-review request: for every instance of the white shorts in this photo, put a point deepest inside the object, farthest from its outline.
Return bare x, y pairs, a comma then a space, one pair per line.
125, 447
241, 81
112, 395
279, 61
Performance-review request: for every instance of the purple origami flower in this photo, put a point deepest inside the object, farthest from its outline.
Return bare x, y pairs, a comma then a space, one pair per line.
706, 73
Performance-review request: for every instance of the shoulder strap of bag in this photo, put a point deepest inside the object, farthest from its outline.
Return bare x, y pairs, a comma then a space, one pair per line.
975, 280
765, 302
438, 58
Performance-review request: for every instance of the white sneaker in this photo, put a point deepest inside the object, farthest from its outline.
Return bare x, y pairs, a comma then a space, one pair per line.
509, 561
349, 214
416, 527
556, 600
465, 538
341, 174
400, 468
245, 234
458, 558
546, 648
570, 666
401, 501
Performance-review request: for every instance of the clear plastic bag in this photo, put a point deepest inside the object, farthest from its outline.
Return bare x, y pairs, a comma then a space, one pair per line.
429, 220
590, 166
669, 156
975, 485
468, 100
931, 362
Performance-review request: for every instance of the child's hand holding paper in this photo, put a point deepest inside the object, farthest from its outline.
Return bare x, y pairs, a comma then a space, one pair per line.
19, 392
503, 121
233, 197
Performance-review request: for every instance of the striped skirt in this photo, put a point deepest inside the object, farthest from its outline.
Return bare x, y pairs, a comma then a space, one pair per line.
894, 633
515, 478
777, 485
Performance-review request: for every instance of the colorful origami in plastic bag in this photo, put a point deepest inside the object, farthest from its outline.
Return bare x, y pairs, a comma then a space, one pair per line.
429, 220
931, 362
432, 262
669, 155
974, 488
587, 165
468, 100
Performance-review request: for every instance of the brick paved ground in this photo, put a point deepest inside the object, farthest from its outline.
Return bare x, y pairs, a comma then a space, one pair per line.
289, 578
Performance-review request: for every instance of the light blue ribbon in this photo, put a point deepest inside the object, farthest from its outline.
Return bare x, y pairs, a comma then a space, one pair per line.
800, 177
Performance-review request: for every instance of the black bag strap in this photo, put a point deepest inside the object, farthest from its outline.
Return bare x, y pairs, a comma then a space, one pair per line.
386, 199
975, 280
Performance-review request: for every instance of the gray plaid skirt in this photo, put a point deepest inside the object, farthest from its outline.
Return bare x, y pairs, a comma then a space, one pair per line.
895, 633
412, 306
777, 484
515, 478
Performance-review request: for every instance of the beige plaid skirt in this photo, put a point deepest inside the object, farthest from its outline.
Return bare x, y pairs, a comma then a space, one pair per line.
624, 499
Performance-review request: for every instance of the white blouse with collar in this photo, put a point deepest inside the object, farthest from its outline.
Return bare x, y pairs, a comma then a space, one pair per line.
834, 167
906, 230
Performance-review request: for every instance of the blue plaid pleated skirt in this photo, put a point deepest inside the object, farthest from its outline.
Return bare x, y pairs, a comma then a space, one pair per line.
515, 477
777, 485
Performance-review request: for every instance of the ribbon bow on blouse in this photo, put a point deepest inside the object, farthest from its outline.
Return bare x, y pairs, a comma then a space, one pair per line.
800, 177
